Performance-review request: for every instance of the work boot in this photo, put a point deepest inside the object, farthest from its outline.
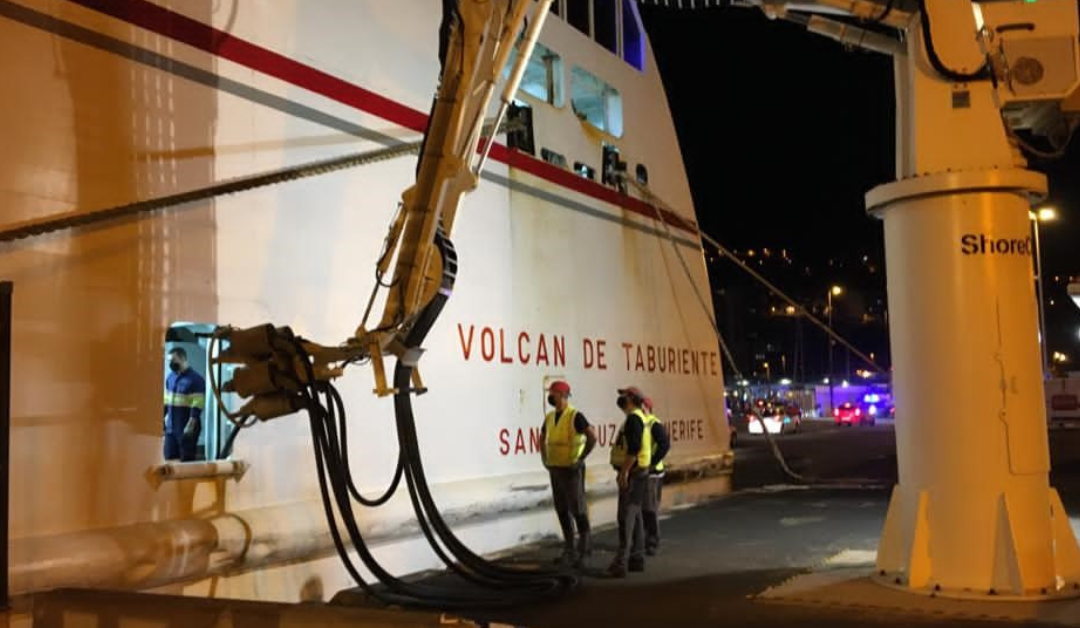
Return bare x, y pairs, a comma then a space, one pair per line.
579, 559
617, 570
584, 547
651, 550
567, 557
637, 565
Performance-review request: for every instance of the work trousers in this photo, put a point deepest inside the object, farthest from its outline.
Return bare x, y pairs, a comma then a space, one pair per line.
568, 494
631, 525
181, 446
650, 512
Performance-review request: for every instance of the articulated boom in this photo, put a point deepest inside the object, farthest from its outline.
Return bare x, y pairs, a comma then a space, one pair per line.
482, 34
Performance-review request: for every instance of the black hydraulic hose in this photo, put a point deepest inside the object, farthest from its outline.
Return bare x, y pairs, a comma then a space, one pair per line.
473, 567
336, 405
504, 586
527, 584
341, 495
553, 581
981, 74
226, 447
425, 528
342, 446
324, 461
401, 591
329, 466
437, 546
328, 509
412, 594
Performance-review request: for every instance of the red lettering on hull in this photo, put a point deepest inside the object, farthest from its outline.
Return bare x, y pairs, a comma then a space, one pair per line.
542, 352
487, 344
530, 441
501, 347
523, 339
497, 345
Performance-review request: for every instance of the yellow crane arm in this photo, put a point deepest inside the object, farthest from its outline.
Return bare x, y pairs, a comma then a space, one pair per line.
481, 36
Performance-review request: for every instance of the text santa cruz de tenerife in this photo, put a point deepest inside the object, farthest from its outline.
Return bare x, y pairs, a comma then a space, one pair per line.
499, 346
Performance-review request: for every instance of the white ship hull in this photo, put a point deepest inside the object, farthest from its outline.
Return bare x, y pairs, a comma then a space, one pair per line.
112, 102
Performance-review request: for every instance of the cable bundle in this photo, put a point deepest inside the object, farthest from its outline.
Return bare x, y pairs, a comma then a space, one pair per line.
493, 585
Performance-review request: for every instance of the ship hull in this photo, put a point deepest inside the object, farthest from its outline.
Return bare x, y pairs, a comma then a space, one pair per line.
115, 102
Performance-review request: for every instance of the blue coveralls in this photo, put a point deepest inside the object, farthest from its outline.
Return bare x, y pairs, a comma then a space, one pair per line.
185, 397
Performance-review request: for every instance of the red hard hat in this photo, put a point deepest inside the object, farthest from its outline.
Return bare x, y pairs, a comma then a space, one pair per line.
559, 387
633, 391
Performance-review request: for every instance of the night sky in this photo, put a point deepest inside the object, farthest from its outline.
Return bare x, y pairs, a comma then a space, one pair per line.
801, 129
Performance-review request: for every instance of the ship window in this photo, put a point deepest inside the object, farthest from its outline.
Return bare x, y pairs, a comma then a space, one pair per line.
210, 438
596, 102
543, 74
633, 39
550, 156
642, 174
584, 170
579, 14
606, 24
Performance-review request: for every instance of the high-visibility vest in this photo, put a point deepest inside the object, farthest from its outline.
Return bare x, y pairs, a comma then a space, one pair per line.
644, 455
563, 445
651, 419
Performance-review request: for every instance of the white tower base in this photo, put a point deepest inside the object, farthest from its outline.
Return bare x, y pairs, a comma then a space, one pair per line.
973, 513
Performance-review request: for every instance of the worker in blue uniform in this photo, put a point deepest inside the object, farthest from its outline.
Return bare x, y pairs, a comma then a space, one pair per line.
185, 398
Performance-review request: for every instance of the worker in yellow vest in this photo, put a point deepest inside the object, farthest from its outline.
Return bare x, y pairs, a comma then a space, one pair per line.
631, 456
568, 439
650, 512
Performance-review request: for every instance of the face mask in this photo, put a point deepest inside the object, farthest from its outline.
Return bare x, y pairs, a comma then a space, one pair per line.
551, 399
174, 366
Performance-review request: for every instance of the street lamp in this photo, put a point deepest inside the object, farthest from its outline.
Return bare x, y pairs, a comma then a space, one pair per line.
834, 291
1045, 214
